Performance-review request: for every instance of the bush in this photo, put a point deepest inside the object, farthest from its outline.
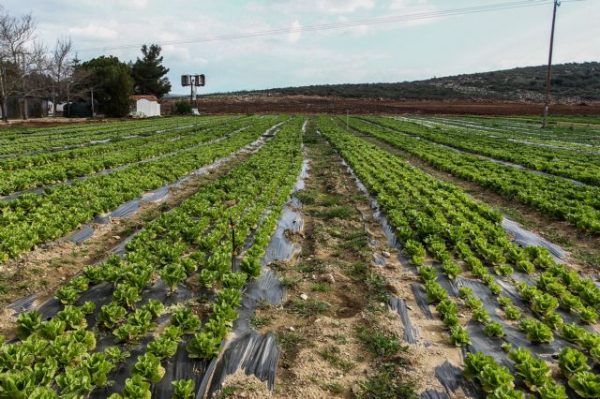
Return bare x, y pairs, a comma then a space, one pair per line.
183, 107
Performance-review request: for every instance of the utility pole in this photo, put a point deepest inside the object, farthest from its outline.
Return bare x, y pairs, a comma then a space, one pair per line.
347, 116
93, 110
549, 73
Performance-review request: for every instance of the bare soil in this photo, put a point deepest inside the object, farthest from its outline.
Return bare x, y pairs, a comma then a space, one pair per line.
340, 105
329, 299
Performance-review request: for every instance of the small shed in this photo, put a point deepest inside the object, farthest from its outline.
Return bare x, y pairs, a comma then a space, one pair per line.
144, 106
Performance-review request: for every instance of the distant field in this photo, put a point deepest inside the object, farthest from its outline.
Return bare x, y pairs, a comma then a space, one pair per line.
322, 255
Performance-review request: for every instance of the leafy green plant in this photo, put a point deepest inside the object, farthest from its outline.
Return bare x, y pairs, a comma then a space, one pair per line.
585, 384
481, 315
183, 389
416, 251
135, 388
588, 315
75, 381
73, 316
435, 292
111, 314
98, 367
163, 347
512, 312
126, 294
234, 280
67, 295
149, 368
451, 269
185, 319
173, 275
28, 323
203, 346
543, 303
154, 307
116, 355
535, 372
494, 330
536, 331
572, 361
459, 336
552, 390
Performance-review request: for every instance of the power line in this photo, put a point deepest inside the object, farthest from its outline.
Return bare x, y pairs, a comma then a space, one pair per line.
349, 24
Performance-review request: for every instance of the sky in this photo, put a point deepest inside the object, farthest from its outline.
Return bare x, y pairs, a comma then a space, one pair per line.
399, 51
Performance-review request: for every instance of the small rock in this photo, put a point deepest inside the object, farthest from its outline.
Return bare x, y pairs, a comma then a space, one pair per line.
409, 307
116, 237
385, 254
327, 278
381, 304
291, 328
304, 297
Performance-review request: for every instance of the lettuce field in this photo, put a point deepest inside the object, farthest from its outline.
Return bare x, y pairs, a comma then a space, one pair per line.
314, 256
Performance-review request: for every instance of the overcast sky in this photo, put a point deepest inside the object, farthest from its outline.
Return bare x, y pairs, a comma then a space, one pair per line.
369, 53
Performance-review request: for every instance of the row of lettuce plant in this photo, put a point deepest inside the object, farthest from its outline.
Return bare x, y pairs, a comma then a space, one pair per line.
40, 140
557, 161
24, 173
192, 240
34, 219
136, 136
554, 196
404, 205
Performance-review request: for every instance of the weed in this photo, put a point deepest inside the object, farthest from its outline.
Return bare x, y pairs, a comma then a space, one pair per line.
306, 197
356, 244
290, 282
386, 384
378, 286
380, 344
310, 307
335, 388
290, 343
339, 212
332, 354
313, 267
258, 322
330, 200
320, 287
357, 270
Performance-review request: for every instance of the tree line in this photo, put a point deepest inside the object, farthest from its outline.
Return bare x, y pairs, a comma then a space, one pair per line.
29, 69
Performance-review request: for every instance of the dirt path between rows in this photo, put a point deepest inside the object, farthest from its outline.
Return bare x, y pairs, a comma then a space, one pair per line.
337, 335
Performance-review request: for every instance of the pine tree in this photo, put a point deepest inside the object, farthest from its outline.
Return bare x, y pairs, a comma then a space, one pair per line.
149, 74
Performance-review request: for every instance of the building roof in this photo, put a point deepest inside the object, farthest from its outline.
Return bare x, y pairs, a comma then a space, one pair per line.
149, 97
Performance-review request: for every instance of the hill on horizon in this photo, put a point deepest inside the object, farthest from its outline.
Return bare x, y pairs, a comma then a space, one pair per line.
571, 83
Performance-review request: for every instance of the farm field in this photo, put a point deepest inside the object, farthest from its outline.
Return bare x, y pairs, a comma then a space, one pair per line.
286, 256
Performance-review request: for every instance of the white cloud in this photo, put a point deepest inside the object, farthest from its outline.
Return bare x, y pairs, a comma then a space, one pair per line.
93, 32
407, 7
344, 6
295, 33
294, 7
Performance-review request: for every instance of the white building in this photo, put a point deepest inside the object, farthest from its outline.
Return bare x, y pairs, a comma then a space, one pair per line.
145, 106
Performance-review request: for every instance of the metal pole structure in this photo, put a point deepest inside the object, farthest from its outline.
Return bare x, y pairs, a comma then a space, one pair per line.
192, 93
549, 73
93, 110
347, 116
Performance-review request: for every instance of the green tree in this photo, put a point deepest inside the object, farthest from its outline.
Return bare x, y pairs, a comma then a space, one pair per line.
149, 74
111, 82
